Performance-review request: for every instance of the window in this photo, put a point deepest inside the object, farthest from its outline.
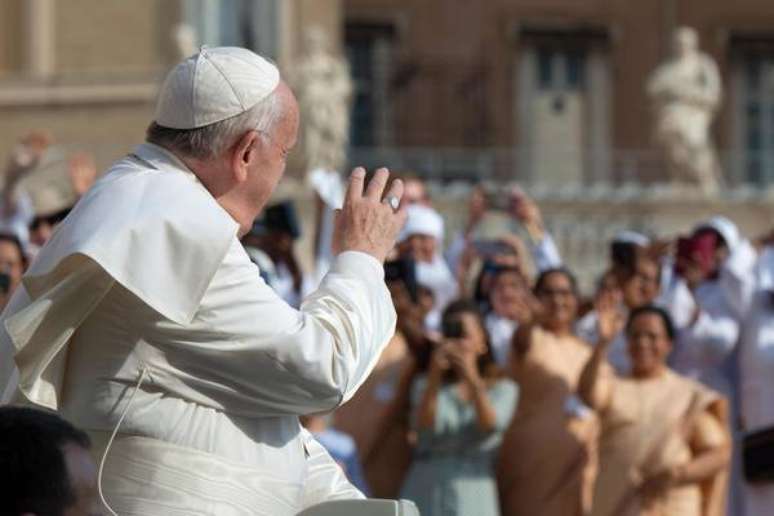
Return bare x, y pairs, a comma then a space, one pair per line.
753, 65
369, 50
252, 24
563, 87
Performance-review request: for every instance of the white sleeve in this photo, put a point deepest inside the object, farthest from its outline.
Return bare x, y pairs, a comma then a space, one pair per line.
715, 331
545, 253
255, 354
738, 278
455, 250
712, 335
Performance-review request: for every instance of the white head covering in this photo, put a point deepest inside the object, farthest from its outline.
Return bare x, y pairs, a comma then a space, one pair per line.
725, 227
422, 220
631, 237
213, 85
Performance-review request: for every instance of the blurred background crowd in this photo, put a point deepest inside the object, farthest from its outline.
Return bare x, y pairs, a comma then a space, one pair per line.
585, 283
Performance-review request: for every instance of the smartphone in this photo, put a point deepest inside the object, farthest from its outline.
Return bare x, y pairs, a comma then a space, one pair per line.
5, 283
696, 250
403, 270
487, 248
498, 201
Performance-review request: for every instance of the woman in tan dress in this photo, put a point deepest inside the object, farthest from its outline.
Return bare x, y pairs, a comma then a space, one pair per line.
664, 446
546, 462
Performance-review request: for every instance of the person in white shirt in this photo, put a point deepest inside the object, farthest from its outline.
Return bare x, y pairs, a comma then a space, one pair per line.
143, 320
420, 239
749, 286
708, 327
707, 319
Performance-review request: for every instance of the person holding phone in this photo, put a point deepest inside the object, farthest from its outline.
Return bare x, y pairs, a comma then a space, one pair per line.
461, 409
708, 327
752, 296
707, 318
421, 239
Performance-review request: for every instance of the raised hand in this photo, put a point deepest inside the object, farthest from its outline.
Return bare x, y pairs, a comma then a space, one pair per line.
476, 209
24, 157
464, 361
367, 222
26, 154
526, 211
610, 320
82, 172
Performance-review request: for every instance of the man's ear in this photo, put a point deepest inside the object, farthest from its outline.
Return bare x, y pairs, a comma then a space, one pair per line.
245, 151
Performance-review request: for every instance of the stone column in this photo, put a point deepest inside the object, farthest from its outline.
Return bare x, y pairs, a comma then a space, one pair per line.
598, 99
39, 23
525, 86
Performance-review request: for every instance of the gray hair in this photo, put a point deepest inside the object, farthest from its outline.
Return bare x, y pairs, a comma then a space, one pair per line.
211, 140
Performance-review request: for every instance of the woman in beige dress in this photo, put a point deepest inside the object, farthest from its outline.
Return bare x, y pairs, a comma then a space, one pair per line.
664, 445
546, 462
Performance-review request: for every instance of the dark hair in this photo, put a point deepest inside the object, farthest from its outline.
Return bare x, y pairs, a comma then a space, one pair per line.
720, 240
541, 281
13, 239
490, 270
33, 473
505, 269
53, 218
487, 366
666, 320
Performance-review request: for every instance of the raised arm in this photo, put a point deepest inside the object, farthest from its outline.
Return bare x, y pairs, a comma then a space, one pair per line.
594, 385
465, 363
265, 358
24, 157
544, 251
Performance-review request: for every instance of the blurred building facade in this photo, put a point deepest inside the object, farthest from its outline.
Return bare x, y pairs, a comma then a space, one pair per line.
547, 93
551, 89
88, 70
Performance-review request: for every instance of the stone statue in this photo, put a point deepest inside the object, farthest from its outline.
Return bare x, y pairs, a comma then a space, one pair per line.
324, 88
686, 92
184, 40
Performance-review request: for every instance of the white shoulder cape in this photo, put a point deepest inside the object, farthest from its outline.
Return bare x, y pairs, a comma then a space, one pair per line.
151, 225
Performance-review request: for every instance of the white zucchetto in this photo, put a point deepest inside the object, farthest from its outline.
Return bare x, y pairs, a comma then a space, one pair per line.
213, 85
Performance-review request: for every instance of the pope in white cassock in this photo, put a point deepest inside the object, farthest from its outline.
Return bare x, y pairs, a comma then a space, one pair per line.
144, 321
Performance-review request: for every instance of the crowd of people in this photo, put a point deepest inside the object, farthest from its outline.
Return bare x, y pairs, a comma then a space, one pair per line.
506, 391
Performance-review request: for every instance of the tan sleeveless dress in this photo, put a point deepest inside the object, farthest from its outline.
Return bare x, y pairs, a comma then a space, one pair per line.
547, 464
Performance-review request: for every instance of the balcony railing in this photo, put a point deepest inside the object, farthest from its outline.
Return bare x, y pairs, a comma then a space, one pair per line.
571, 168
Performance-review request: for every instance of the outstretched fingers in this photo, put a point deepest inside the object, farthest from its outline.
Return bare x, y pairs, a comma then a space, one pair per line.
376, 185
356, 181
